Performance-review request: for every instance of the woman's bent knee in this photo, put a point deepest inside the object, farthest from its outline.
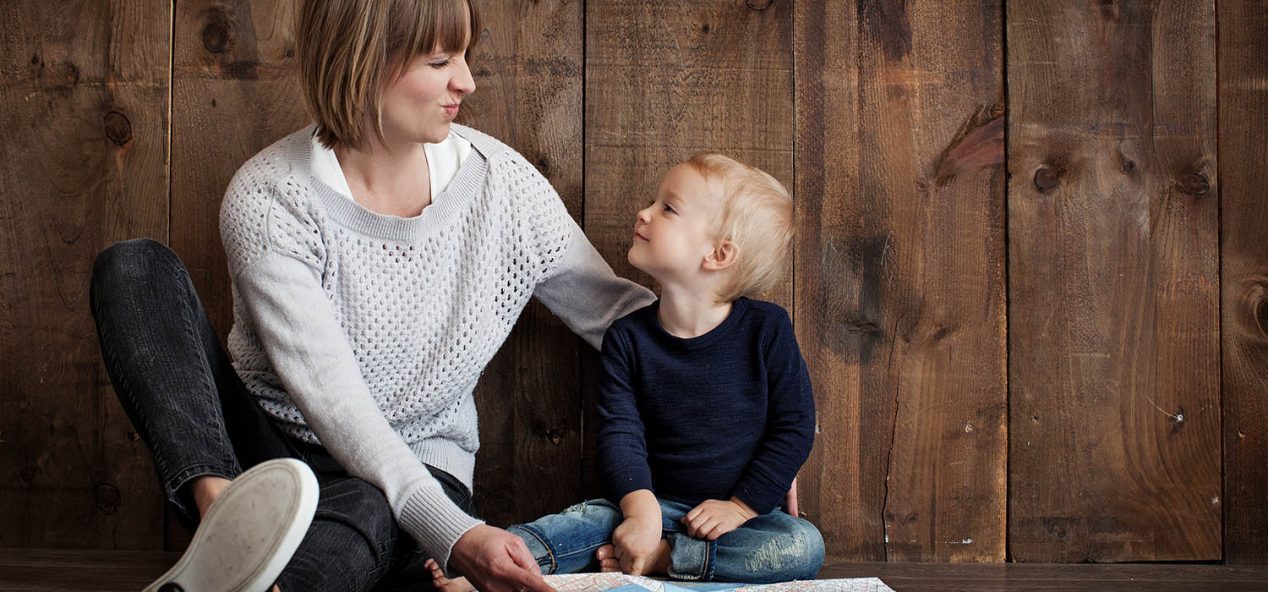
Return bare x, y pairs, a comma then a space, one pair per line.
131, 261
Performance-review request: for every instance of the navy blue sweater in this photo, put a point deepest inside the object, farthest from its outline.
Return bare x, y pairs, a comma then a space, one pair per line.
728, 413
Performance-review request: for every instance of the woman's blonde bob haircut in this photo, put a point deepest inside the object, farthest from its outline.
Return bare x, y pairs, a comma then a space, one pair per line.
757, 218
351, 50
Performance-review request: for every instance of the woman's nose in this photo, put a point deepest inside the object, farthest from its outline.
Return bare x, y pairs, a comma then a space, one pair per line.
462, 82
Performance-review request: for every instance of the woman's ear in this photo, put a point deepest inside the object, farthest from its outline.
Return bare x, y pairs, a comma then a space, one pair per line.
722, 256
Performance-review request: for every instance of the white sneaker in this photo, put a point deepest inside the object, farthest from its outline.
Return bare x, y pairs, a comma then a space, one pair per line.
249, 533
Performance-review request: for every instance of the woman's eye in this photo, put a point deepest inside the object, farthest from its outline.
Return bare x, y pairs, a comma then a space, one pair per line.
440, 65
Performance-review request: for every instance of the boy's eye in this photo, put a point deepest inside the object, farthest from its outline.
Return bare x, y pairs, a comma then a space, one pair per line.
670, 209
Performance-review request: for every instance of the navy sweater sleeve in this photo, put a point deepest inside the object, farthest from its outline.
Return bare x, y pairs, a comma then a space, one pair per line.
790, 423
622, 447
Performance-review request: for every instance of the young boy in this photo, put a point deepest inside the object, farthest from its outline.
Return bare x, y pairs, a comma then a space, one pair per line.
705, 407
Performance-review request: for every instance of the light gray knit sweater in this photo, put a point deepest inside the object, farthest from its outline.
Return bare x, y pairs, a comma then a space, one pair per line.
367, 333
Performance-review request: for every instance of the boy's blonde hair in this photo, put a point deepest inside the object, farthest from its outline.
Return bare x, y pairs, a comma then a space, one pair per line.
757, 217
350, 50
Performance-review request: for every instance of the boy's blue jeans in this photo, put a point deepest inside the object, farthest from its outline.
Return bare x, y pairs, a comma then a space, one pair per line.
774, 547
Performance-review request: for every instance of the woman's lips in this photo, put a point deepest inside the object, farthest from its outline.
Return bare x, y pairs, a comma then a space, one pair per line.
451, 110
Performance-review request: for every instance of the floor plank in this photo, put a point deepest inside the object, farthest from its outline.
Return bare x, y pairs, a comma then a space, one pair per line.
61, 570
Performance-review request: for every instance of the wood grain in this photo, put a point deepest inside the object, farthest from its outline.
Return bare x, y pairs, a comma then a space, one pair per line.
900, 276
1113, 266
1243, 100
527, 65
84, 108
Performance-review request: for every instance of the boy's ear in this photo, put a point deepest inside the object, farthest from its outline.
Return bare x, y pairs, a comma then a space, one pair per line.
722, 257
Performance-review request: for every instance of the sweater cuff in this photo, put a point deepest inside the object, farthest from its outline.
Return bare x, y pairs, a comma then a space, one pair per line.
435, 522
633, 479
763, 501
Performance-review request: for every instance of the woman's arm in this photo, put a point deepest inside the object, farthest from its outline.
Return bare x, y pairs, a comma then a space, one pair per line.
585, 293
306, 347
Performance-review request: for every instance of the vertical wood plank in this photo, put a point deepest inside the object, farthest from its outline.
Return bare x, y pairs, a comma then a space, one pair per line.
234, 93
663, 81
900, 276
1243, 100
84, 109
1114, 362
528, 66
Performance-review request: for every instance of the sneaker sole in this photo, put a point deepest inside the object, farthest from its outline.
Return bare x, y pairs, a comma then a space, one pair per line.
250, 532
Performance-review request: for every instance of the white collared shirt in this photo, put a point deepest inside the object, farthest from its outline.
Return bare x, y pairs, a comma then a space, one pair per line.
443, 160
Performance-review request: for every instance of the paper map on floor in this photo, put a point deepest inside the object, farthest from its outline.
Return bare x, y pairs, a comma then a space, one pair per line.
616, 582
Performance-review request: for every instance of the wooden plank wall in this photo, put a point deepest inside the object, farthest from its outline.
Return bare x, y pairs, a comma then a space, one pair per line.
1030, 273
1243, 115
900, 276
1114, 282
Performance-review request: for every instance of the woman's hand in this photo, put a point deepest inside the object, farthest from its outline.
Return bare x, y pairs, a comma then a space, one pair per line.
635, 542
714, 518
494, 560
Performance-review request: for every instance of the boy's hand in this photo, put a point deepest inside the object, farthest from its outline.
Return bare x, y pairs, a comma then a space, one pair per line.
635, 542
714, 518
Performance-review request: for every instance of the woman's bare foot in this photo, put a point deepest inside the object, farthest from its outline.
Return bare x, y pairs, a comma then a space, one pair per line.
205, 490
607, 558
658, 566
445, 584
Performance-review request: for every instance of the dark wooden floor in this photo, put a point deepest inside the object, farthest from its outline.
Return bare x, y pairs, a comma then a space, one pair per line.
26, 569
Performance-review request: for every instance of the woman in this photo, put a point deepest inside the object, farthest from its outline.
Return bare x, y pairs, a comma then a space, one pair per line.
379, 258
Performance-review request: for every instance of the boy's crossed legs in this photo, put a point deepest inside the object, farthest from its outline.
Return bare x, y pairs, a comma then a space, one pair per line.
774, 547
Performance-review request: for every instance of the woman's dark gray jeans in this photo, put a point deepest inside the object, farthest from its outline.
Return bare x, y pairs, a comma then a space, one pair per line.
184, 398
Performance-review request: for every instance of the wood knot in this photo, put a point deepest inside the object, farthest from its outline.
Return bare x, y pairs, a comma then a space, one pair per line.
555, 436
705, 28
1195, 184
543, 166
1047, 179
758, 4
1261, 317
27, 474
861, 328
216, 32
108, 498
1255, 302
118, 128
1128, 165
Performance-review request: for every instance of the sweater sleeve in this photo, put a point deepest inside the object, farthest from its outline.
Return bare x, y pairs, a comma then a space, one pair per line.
622, 443
585, 293
790, 423
576, 283
274, 256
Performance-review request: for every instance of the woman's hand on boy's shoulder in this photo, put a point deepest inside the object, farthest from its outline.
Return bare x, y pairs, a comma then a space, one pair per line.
714, 518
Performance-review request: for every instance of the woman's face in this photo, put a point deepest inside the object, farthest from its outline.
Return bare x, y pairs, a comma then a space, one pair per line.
420, 105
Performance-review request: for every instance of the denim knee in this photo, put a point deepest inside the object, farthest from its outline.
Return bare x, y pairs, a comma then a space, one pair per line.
129, 261
566, 542
771, 548
796, 554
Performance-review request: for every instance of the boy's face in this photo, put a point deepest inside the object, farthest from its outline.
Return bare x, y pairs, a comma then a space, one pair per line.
674, 234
